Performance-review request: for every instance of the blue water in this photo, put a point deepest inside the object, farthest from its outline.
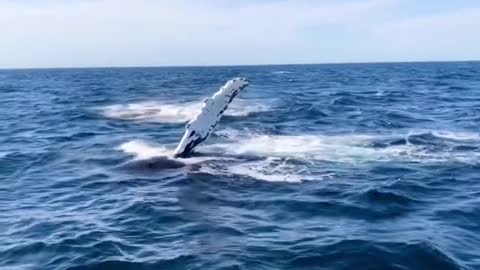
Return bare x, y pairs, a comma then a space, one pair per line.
358, 166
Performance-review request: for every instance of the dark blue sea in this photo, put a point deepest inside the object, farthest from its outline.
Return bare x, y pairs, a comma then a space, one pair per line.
345, 166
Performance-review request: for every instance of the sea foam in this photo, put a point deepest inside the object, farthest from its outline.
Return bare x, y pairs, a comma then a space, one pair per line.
160, 112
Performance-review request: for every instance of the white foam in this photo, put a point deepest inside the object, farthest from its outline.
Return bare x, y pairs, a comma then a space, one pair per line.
282, 72
143, 150
242, 107
290, 158
275, 170
457, 135
270, 169
380, 93
302, 146
353, 149
160, 112
258, 172
229, 133
151, 111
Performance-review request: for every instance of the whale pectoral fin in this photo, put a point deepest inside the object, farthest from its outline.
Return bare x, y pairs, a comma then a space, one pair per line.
200, 127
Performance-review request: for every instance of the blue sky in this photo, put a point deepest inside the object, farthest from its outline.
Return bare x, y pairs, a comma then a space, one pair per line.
95, 33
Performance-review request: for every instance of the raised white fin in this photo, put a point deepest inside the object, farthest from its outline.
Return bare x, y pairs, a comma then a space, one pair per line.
200, 127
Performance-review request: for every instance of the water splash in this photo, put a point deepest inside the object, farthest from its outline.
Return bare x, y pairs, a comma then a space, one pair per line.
159, 112
144, 150
288, 158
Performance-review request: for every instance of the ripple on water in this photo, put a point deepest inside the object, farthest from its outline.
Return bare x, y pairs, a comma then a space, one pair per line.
370, 166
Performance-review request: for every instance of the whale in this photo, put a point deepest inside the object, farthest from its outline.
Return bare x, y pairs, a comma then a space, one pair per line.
156, 164
153, 164
200, 127
197, 131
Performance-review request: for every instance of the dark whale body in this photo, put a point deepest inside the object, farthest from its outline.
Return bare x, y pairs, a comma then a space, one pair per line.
152, 164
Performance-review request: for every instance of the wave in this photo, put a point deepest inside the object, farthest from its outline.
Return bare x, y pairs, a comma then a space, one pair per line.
4, 154
386, 255
179, 261
158, 112
279, 72
309, 253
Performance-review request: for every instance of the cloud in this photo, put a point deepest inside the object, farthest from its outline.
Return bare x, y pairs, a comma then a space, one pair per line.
453, 34
187, 32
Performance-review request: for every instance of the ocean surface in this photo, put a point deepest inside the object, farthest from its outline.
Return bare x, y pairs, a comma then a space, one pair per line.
347, 166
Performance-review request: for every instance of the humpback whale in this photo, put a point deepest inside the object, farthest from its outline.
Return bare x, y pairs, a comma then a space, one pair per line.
200, 127
196, 131
155, 164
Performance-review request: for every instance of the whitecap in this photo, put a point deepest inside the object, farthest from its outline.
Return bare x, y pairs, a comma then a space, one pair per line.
281, 72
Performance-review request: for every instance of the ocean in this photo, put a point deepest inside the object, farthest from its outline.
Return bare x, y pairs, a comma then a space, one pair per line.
335, 166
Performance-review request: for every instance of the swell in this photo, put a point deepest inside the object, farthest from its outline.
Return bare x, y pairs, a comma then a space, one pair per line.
318, 166
376, 255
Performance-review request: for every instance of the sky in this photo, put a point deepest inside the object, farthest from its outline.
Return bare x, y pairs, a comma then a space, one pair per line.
115, 33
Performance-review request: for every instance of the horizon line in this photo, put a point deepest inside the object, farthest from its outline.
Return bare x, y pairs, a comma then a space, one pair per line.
246, 65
